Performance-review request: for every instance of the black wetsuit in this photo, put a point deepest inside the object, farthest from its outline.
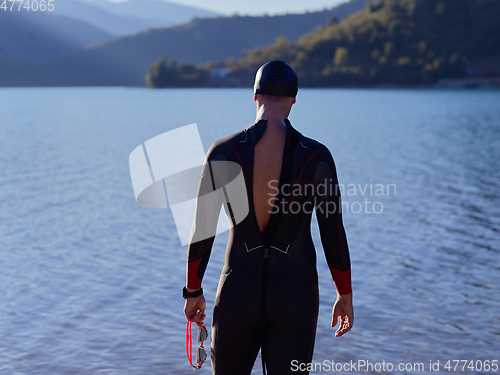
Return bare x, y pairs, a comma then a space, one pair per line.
268, 290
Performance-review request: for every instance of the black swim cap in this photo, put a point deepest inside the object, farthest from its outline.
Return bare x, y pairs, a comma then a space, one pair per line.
276, 78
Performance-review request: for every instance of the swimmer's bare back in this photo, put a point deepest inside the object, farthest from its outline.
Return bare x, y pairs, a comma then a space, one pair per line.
267, 164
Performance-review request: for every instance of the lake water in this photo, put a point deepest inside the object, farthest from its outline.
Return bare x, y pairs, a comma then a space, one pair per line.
90, 282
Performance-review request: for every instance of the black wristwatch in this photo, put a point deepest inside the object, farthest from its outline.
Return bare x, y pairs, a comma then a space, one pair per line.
187, 294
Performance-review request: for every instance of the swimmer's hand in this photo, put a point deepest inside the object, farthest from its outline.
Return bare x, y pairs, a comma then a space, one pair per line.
195, 308
343, 309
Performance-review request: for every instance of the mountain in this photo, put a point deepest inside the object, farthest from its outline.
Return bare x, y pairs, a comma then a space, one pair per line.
131, 16
124, 61
30, 36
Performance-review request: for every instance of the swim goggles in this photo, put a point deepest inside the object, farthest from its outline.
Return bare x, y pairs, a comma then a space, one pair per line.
201, 353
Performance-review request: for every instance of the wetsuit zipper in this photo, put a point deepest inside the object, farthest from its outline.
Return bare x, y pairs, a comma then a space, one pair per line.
264, 289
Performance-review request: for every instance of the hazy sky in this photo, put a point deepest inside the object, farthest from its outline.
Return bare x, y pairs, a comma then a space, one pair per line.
260, 7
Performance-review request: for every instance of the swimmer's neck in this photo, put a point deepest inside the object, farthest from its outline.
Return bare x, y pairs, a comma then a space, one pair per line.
276, 116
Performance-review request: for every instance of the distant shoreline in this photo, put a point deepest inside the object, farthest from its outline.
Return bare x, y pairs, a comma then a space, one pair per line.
453, 83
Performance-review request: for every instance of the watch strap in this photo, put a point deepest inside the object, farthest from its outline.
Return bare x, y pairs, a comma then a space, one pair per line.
187, 294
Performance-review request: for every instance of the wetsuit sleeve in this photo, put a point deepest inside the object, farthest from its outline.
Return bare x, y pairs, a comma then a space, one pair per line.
329, 214
208, 206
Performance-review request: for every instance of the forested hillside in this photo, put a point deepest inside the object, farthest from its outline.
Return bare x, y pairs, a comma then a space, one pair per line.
396, 41
407, 42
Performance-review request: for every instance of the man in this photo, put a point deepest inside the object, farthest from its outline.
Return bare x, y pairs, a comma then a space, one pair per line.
268, 292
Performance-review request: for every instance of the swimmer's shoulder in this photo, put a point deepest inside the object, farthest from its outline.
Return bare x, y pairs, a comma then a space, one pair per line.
315, 149
230, 146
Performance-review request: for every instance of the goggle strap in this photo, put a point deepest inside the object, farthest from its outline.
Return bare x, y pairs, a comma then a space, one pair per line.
189, 342
189, 345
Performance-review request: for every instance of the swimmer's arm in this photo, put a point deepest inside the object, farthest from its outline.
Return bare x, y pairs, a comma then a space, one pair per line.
201, 241
335, 245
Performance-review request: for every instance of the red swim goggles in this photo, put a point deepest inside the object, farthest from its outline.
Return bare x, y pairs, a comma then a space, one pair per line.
201, 353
